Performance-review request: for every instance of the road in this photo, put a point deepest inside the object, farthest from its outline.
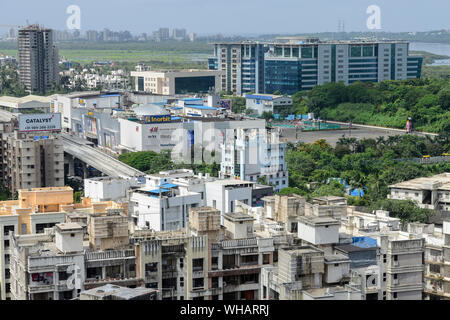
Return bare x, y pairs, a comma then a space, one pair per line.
98, 159
333, 136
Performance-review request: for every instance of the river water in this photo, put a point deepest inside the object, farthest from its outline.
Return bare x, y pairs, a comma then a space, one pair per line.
436, 48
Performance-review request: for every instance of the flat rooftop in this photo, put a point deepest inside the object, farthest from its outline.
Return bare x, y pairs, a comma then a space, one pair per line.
231, 182
439, 181
117, 291
336, 258
238, 216
264, 96
348, 248
314, 220
69, 226
203, 209
300, 250
46, 189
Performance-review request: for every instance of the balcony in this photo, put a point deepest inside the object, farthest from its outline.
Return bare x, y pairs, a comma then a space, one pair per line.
434, 259
198, 288
170, 268
236, 270
62, 286
241, 287
37, 288
109, 255
229, 244
48, 263
124, 282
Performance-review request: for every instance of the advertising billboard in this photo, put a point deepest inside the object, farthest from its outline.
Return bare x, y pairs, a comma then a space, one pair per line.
225, 104
40, 122
91, 125
158, 119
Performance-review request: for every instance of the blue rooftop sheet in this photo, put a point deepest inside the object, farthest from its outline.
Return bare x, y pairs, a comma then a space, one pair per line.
256, 96
364, 242
168, 185
157, 191
110, 95
195, 106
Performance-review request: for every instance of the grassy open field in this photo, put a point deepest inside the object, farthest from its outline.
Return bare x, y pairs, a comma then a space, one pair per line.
178, 53
87, 55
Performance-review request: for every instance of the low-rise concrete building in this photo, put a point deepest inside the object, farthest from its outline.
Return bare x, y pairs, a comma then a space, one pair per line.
177, 82
428, 192
261, 103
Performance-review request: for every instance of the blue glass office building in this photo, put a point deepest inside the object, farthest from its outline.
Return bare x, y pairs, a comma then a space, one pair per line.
293, 66
243, 66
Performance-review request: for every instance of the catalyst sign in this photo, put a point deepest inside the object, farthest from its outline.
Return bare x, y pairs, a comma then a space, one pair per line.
40, 122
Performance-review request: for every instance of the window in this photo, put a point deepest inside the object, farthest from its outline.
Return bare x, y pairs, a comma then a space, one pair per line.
395, 295
181, 281
181, 263
198, 283
395, 257
62, 275
215, 282
197, 264
435, 268
266, 258
151, 267
249, 259
384, 258
384, 277
214, 262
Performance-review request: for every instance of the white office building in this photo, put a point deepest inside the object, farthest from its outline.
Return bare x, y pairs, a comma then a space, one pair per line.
253, 154
261, 103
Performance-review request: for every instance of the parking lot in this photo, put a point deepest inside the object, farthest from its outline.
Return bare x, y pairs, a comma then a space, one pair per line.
332, 136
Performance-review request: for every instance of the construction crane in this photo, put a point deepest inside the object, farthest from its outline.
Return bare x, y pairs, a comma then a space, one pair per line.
9, 25
13, 25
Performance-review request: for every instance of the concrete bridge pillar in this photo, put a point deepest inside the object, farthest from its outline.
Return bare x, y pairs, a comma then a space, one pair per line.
71, 161
85, 171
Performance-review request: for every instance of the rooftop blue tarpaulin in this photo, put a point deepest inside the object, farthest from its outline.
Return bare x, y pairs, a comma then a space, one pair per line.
110, 95
168, 185
364, 242
156, 191
256, 96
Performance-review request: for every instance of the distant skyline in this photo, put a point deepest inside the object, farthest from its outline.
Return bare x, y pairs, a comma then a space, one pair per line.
230, 17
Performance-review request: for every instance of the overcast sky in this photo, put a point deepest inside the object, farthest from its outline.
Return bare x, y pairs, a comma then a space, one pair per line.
230, 16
